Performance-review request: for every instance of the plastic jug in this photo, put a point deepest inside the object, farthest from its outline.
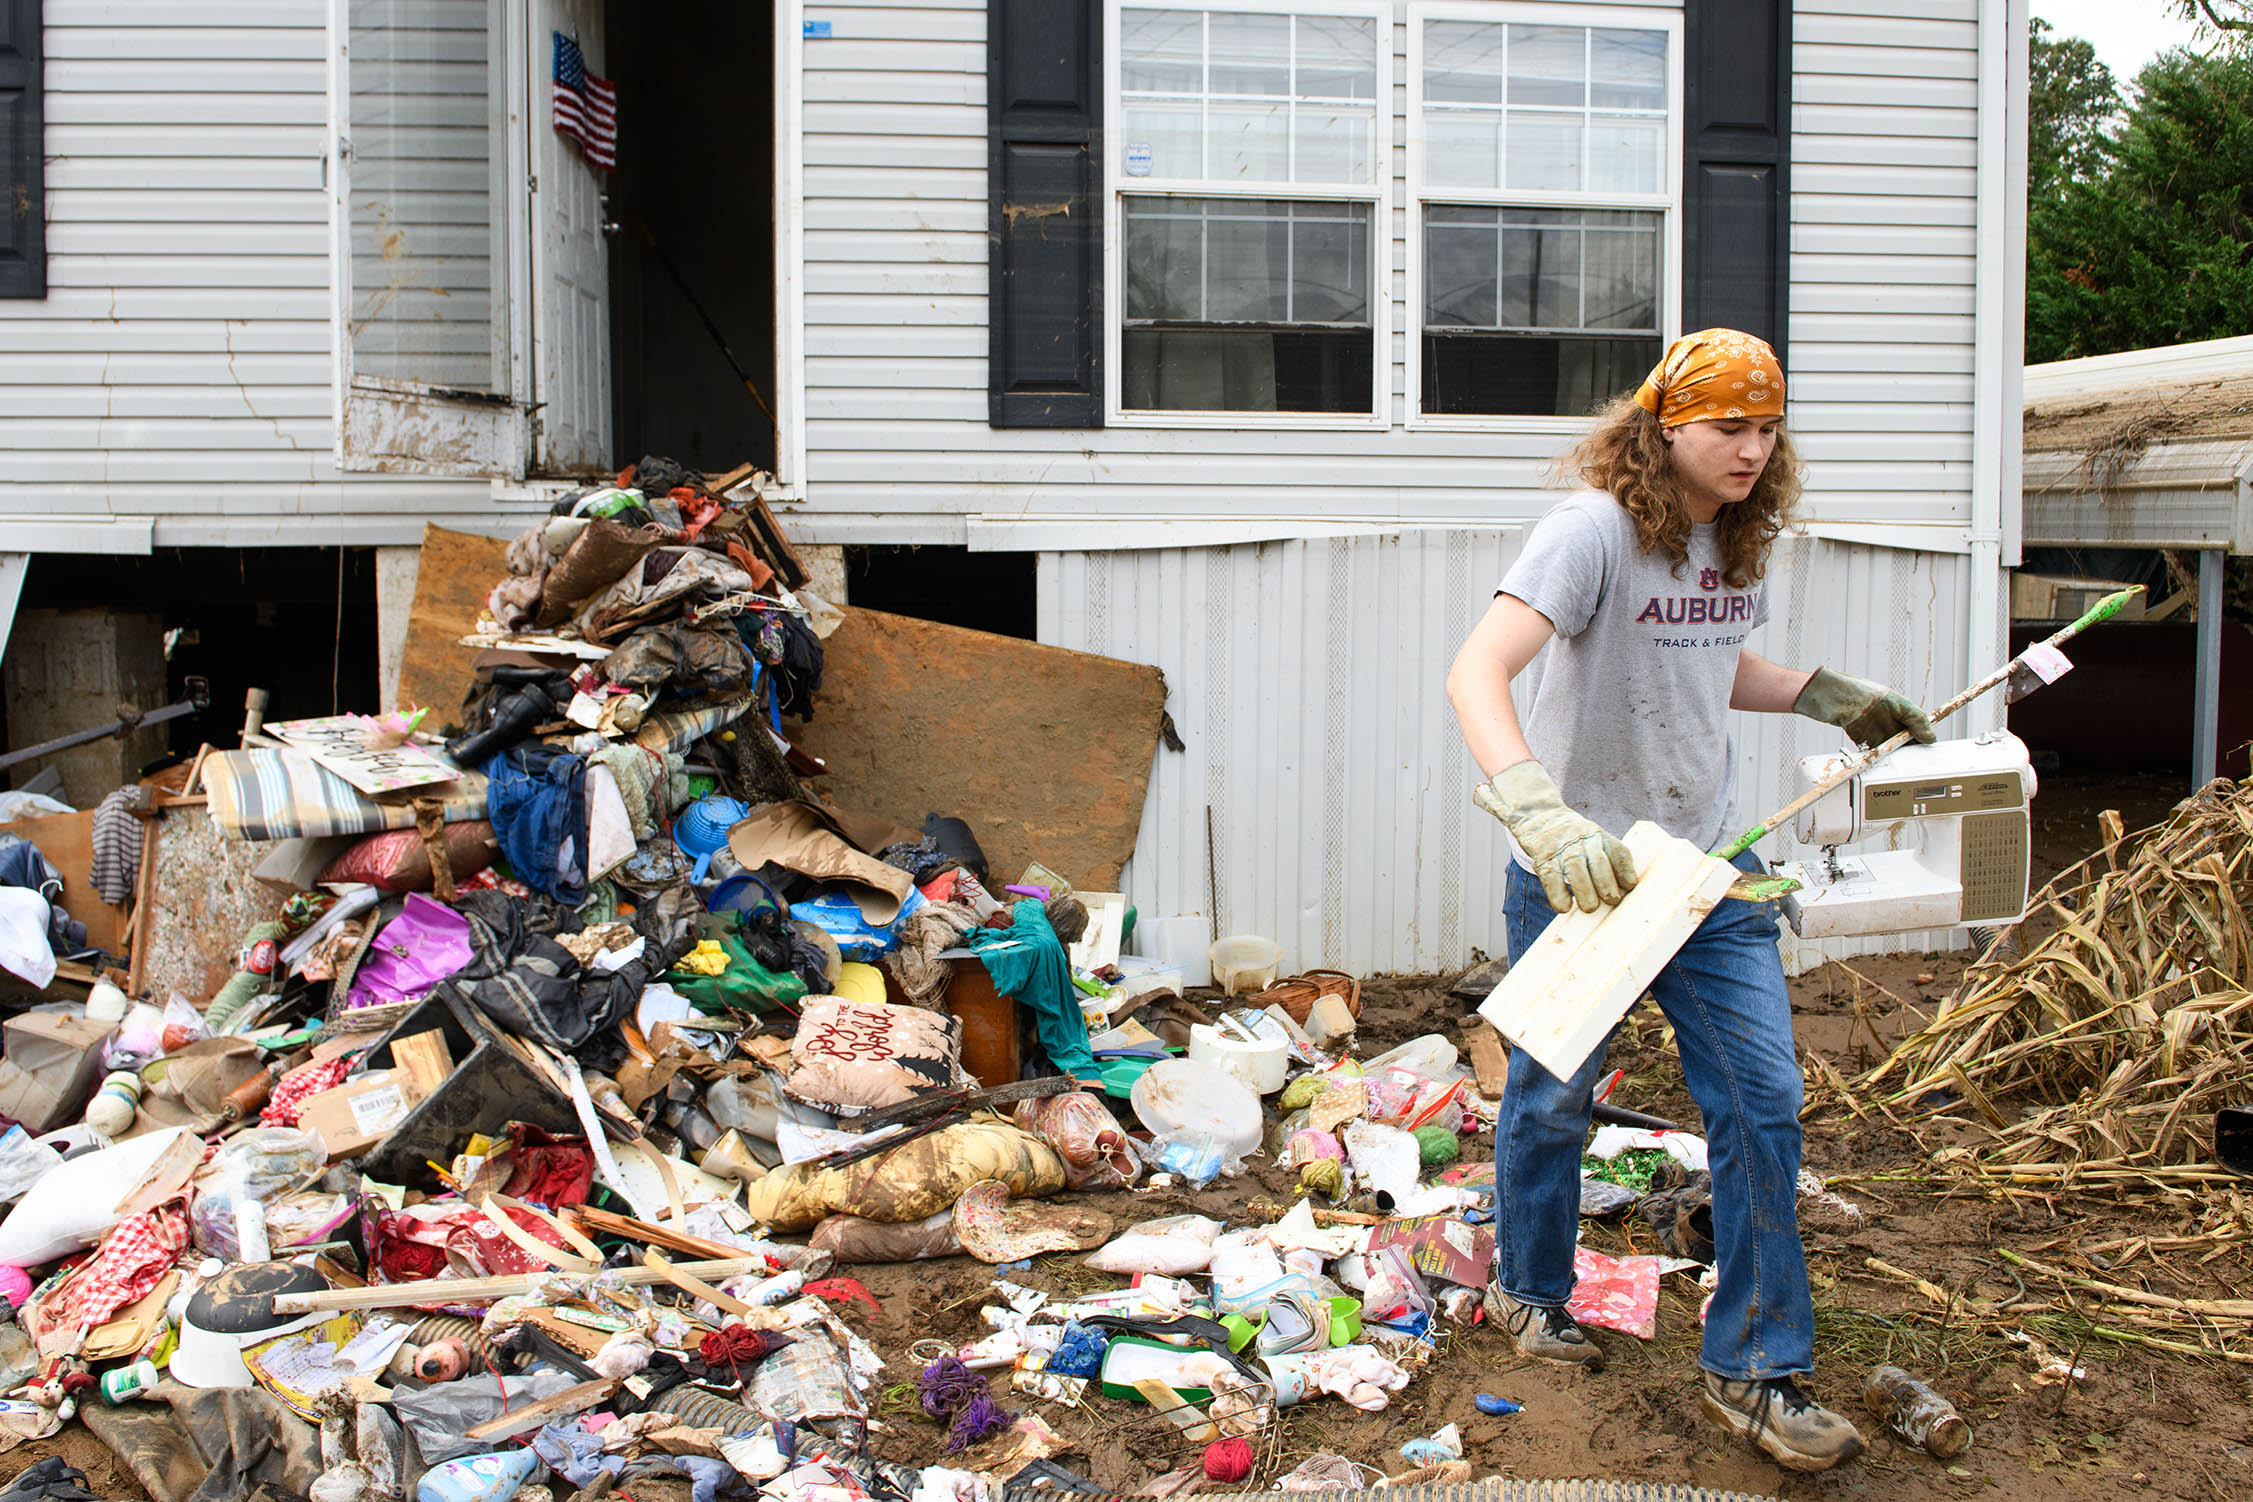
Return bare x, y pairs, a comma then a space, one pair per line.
1430, 1054
478, 1478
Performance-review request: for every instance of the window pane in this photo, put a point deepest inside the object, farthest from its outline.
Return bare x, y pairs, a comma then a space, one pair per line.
1165, 261
1622, 275
1541, 278
1250, 142
1333, 145
1171, 131
1463, 62
1329, 265
1542, 151
424, 225
1627, 69
1460, 269
1251, 54
1247, 265
1337, 58
1162, 50
1463, 150
1531, 374
1548, 65
1626, 156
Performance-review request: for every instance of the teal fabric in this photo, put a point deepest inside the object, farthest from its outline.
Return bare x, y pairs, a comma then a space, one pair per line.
1036, 972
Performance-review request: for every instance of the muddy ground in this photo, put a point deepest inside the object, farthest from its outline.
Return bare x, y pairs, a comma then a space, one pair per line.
2144, 1423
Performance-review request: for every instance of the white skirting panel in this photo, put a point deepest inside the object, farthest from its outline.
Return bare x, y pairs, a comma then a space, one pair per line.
1306, 679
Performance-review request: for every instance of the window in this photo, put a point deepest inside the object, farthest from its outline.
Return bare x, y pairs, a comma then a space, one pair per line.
1249, 163
1545, 203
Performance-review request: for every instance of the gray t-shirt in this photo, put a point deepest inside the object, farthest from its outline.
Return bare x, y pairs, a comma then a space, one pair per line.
1630, 699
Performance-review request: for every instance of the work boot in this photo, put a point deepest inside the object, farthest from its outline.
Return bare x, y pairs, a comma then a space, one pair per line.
1799, 1433
1543, 1330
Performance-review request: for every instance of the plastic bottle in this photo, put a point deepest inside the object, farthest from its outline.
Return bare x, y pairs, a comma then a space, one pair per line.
19, 1358
1917, 1413
478, 1478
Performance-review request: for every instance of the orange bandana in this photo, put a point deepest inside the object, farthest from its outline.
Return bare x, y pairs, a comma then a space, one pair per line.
1712, 374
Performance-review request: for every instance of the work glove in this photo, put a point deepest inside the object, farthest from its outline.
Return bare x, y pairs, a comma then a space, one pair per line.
1578, 863
1869, 712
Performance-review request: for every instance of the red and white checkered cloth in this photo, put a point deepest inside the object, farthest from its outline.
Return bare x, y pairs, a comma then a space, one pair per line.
292, 1089
132, 1259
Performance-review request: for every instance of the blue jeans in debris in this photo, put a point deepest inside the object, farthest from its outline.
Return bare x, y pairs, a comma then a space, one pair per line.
1724, 993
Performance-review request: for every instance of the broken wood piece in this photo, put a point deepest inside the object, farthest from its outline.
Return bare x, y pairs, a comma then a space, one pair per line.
1490, 1059
485, 1290
1186, 1416
570, 1401
610, 1223
1564, 995
694, 1286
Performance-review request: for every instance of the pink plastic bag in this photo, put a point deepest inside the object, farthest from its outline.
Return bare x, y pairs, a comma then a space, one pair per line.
1618, 1293
414, 952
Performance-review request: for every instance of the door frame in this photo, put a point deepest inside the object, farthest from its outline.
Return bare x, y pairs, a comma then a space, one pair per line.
492, 432
790, 248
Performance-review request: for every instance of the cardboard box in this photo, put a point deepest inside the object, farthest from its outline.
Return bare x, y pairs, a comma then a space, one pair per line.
51, 1068
361, 1112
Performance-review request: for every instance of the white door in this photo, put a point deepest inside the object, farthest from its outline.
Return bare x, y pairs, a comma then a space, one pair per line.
430, 361
570, 265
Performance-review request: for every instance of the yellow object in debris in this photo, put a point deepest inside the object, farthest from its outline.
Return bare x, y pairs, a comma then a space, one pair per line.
707, 958
862, 983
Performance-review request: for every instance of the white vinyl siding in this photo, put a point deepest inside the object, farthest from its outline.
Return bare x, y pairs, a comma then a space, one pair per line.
176, 386
899, 449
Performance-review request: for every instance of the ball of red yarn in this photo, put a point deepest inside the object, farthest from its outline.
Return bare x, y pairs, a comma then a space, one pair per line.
1228, 1460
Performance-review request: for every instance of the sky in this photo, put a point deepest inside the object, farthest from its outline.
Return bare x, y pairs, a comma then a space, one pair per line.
2126, 33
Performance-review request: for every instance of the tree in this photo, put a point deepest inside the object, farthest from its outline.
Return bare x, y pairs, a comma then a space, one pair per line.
2227, 18
2071, 99
2156, 245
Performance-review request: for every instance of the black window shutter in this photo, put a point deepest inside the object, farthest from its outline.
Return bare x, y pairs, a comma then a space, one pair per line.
1736, 168
23, 218
1044, 184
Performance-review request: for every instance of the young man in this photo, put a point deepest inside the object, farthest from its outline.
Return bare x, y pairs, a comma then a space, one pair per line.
1643, 588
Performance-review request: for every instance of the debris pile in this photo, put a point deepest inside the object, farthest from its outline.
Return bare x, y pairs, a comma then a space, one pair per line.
573, 1048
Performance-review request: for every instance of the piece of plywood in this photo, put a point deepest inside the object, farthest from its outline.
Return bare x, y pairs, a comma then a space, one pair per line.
1045, 752
1564, 995
1490, 1059
67, 840
457, 571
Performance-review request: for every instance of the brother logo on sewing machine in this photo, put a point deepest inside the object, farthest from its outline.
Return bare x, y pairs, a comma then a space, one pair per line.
1952, 822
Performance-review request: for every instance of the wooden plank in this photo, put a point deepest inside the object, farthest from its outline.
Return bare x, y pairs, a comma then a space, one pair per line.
485, 1290
576, 1399
1081, 732
456, 572
67, 840
1490, 1060
609, 1223
1564, 995
694, 1287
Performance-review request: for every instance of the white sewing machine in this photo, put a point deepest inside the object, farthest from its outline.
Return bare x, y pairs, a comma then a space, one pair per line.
1955, 820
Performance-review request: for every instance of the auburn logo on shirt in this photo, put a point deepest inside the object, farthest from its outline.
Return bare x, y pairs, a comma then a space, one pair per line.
1709, 579
1697, 610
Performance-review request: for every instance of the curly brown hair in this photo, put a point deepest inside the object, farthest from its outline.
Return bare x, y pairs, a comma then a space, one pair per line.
1626, 455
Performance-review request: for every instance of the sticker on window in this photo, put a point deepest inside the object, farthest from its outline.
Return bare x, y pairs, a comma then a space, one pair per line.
1138, 159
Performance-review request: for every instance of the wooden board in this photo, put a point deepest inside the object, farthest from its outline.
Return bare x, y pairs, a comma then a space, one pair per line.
1045, 752
67, 840
1564, 995
1490, 1059
458, 570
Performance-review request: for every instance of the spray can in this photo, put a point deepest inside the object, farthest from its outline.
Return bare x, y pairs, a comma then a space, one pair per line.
113, 1107
1919, 1415
125, 1383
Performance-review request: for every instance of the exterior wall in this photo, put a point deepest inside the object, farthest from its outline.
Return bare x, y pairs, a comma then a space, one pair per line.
176, 386
1884, 142
1306, 680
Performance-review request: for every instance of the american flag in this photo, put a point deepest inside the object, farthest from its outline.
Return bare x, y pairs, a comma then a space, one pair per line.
586, 107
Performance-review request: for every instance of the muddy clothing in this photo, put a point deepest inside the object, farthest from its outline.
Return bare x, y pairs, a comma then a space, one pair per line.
1630, 700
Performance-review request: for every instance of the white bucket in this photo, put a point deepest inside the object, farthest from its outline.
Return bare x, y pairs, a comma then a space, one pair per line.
1244, 963
1259, 1062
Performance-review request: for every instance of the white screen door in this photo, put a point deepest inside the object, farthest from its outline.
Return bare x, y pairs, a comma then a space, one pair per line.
431, 373
570, 264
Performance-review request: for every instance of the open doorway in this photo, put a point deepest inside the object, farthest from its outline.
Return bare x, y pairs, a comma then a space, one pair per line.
692, 256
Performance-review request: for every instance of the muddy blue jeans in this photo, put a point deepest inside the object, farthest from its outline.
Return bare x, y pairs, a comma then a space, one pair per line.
1724, 993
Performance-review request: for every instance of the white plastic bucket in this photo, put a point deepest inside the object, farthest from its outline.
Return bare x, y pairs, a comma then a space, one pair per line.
1243, 963
1258, 1062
